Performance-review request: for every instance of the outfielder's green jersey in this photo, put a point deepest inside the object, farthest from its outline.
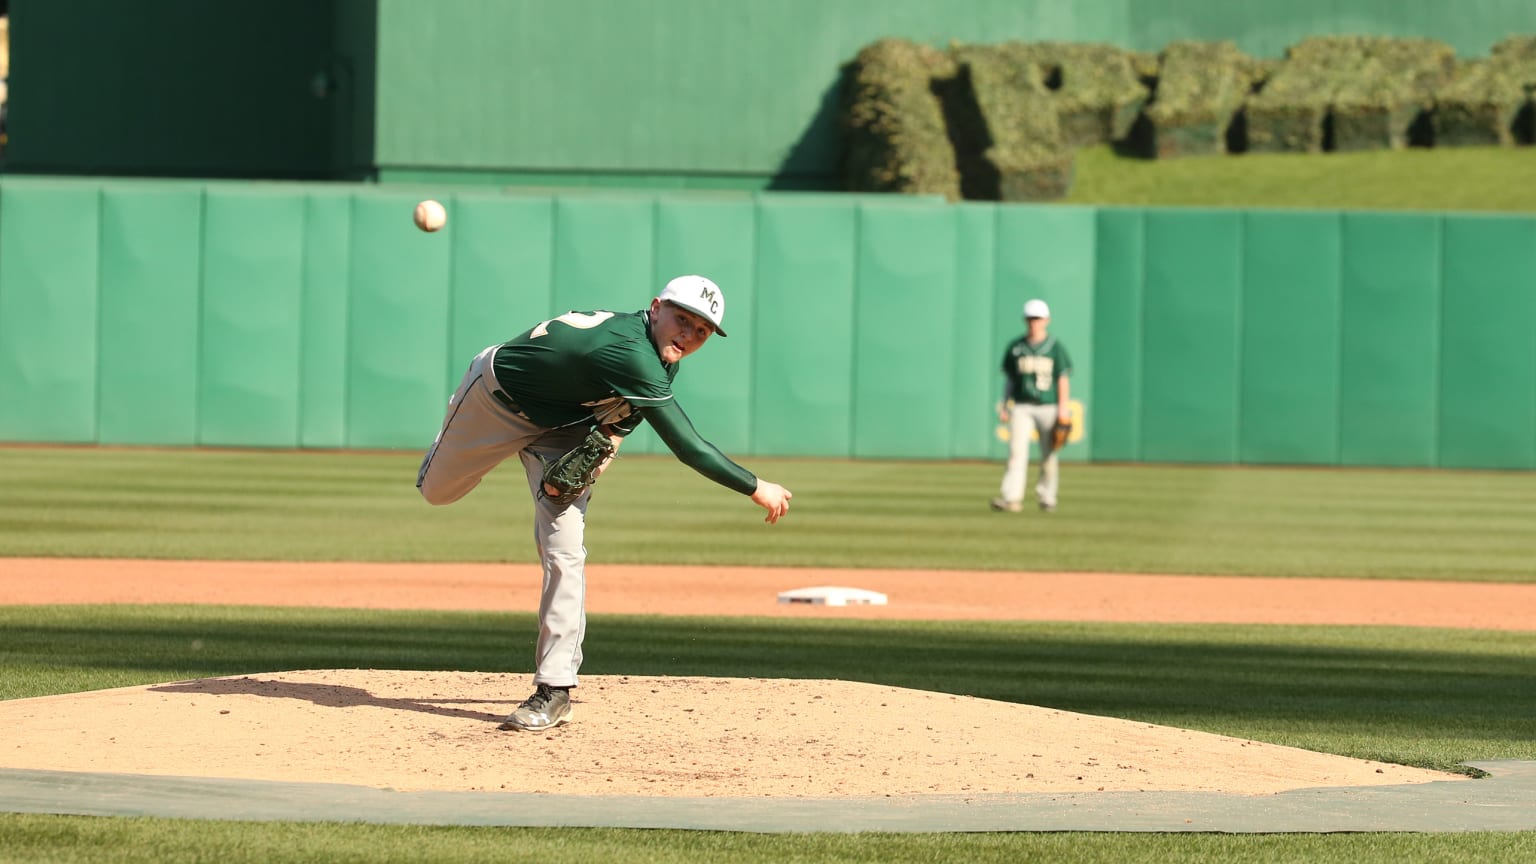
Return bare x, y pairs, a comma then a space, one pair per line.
601, 367
1033, 371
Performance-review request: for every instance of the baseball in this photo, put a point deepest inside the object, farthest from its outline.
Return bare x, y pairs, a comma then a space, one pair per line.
430, 215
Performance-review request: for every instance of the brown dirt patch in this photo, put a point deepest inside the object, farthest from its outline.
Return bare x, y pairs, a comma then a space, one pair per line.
688, 736
641, 736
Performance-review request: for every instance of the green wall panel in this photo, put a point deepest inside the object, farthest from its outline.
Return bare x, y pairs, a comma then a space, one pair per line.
715, 239
1390, 359
283, 316
605, 250
1119, 289
1292, 265
803, 364
1047, 252
253, 271
1488, 343
49, 257
605, 258
903, 355
1189, 367
503, 261
397, 326
323, 333
151, 273
975, 380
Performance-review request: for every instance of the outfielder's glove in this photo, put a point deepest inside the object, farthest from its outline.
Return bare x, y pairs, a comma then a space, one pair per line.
1060, 433
571, 474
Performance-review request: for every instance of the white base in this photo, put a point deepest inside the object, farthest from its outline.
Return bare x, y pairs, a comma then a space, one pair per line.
832, 595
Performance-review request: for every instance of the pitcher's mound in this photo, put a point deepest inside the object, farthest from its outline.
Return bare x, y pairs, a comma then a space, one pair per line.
634, 735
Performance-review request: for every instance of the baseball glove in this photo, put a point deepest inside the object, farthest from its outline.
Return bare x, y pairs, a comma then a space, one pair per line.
1059, 434
571, 474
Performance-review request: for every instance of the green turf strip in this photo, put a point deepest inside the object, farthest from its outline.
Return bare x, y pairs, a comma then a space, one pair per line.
111, 840
651, 509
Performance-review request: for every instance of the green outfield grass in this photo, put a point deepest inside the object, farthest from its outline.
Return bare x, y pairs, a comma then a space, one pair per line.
1427, 697
1493, 179
650, 509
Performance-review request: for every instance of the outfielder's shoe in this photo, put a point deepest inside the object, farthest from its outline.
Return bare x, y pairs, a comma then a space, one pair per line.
1004, 506
547, 708
1047, 508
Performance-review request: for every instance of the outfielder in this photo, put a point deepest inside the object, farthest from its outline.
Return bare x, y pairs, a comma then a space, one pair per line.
537, 397
1036, 393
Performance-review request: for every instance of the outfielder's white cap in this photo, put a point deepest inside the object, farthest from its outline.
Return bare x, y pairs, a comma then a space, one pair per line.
698, 295
1036, 309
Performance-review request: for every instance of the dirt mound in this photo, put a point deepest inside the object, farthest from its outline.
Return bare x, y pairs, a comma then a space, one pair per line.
634, 735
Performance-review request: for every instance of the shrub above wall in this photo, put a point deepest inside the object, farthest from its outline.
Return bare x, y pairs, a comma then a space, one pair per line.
1012, 113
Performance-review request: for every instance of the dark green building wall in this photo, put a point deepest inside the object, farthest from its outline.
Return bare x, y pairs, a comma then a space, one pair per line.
317, 316
275, 88
696, 94
706, 94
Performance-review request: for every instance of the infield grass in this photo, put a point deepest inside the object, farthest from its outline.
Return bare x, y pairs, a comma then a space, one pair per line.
1425, 697
326, 506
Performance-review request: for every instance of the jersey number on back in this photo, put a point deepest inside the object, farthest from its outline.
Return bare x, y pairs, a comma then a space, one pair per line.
579, 320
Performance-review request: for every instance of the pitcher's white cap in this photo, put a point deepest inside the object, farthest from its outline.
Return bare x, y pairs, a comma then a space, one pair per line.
1036, 309
698, 295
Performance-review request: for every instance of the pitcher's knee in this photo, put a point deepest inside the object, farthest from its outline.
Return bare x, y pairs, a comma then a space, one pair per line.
437, 494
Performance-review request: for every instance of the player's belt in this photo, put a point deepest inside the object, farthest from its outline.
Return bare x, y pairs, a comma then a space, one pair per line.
507, 401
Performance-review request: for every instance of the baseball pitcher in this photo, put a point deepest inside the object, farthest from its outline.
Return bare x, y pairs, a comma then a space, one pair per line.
541, 397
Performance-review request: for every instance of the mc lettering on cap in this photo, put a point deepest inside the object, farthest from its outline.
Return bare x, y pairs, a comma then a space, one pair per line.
698, 295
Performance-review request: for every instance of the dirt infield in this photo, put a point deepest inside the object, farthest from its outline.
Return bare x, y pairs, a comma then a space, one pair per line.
718, 737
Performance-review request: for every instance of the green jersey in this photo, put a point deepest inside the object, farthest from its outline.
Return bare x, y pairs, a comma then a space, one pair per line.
585, 367
1034, 371
601, 367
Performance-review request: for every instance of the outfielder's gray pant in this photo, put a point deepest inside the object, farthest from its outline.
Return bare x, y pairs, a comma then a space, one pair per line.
1022, 419
479, 433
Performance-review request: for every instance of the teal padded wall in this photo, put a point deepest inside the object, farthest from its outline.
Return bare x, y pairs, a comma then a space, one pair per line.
1290, 338
292, 315
1487, 410
803, 355
502, 261
1390, 360
397, 331
323, 329
1120, 258
151, 281
975, 381
905, 305
714, 237
1191, 330
49, 261
248, 390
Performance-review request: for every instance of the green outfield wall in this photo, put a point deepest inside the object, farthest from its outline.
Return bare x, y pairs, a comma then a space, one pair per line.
317, 316
697, 94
